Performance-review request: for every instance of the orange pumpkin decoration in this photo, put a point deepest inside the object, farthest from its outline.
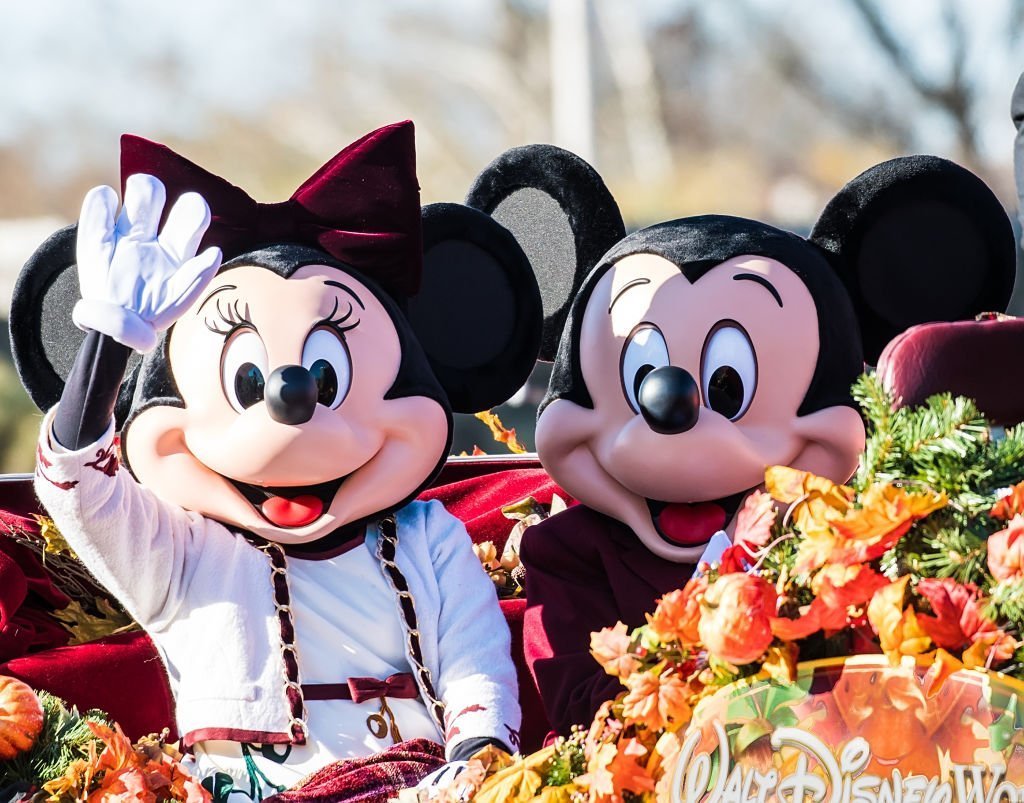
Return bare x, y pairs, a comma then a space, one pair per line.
21, 717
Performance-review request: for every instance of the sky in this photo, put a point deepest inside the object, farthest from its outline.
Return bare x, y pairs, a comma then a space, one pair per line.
83, 72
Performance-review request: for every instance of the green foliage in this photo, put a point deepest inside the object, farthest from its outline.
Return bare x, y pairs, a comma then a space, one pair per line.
945, 445
569, 761
65, 738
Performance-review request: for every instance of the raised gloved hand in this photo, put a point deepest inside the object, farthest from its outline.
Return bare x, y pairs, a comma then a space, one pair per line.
135, 282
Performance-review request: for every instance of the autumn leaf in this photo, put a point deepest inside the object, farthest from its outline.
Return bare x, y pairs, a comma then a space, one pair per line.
993, 647
657, 701
886, 513
610, 647
518, 783
615, 769
53, 540
943, 667
958, 612
500, 433
897, 628
754, 520
860, 534
85, 627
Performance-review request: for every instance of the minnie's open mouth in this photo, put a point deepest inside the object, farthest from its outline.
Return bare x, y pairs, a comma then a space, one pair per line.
293, 505
692, 524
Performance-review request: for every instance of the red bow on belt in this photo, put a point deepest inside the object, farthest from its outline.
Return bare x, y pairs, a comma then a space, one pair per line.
401, 686
362, 207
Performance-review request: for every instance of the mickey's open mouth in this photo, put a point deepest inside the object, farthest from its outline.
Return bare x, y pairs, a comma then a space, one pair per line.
290, 506
692, 524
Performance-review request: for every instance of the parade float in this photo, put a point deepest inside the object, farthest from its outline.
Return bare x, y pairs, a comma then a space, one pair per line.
813, 635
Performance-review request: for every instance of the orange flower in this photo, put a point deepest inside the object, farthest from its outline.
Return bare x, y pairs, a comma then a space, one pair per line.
897, 628
615, 769
657, 701
1006, 551
1010, 505
610, 648
678, 612
838, 589
735, 617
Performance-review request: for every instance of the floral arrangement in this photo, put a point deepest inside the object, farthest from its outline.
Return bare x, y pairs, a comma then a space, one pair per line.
920, 558
50, 753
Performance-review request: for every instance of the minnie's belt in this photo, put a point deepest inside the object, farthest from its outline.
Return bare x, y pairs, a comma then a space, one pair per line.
401, 686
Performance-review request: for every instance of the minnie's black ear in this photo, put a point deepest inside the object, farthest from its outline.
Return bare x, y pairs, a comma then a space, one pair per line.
563, 216
44, 340
918, 239
478, 313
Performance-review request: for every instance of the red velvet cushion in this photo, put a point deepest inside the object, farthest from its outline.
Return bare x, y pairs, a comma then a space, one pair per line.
120, 674
978, 359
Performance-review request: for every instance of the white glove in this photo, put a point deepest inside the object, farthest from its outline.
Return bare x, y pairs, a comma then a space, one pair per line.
430, 787
134, 283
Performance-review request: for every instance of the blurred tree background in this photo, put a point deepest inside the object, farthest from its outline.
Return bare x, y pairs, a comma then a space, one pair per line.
761, 108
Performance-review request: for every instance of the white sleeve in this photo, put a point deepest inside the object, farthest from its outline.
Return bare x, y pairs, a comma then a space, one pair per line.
139, 547
477, 680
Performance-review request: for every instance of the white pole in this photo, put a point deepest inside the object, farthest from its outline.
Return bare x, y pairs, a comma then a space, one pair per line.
572, 97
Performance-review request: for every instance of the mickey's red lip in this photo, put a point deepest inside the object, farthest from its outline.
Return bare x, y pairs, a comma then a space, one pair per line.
289, 507
691, 524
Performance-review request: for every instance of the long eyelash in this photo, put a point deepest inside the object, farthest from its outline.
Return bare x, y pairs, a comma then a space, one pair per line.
230, 317
338, 323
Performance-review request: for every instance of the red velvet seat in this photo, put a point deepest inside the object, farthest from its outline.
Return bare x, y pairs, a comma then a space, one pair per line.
979, 359
122, 674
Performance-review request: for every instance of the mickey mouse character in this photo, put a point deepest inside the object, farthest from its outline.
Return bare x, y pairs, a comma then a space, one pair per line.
697, 352
290, 404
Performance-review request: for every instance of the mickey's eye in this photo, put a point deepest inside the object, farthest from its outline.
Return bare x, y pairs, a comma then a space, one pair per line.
326, 358
243, 369
728, 370
644, 351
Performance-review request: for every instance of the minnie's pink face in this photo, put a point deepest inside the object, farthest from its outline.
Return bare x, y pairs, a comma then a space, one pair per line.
696, 389
286, 430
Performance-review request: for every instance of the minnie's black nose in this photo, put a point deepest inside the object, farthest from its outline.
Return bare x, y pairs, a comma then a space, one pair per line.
669, 400
291, 394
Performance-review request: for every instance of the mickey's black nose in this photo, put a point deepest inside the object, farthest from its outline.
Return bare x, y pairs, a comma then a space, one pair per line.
291, 395
669, 400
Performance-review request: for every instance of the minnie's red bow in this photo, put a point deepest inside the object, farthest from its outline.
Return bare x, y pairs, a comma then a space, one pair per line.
362, 207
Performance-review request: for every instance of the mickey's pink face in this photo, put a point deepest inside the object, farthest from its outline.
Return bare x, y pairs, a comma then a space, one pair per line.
285, 430
696, 388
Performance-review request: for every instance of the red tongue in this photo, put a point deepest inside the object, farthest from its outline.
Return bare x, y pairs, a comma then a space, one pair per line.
295, 512
689, 525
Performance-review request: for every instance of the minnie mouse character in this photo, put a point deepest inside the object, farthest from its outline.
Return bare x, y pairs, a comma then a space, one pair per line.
696, 353
290, 404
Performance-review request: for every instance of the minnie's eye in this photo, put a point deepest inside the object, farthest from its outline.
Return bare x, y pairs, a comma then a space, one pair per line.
644, 351
243, 369
728, 370
326, 358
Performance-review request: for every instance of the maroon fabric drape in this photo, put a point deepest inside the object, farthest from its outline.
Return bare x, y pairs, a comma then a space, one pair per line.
374, 779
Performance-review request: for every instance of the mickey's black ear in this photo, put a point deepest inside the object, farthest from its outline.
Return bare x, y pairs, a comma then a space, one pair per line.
478, 313
563, 216
918, 239
44, 340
